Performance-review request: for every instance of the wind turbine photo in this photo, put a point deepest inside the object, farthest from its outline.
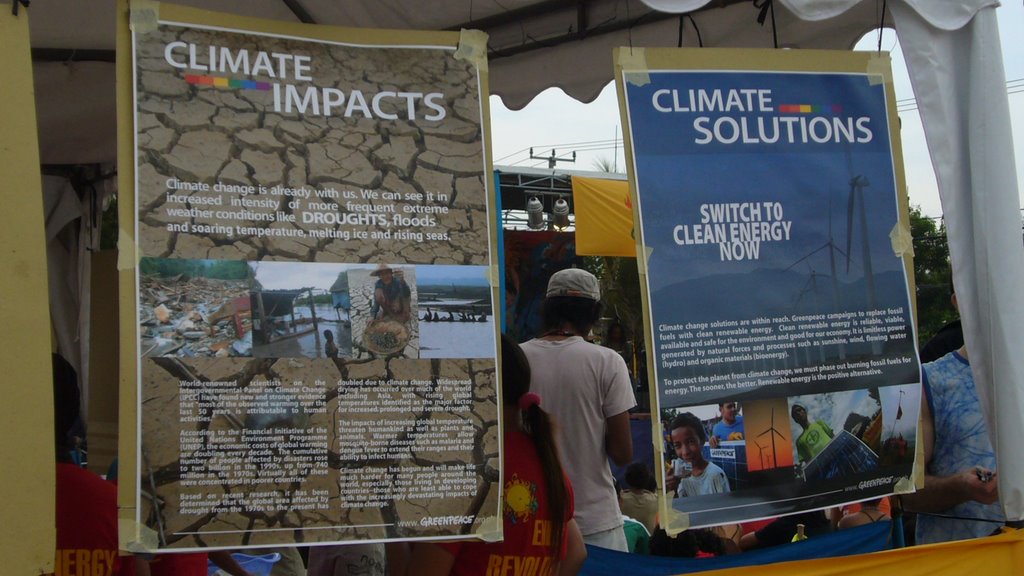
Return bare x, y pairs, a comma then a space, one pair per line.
772, 432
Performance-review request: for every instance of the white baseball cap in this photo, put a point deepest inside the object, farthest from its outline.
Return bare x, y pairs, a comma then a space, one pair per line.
574, 282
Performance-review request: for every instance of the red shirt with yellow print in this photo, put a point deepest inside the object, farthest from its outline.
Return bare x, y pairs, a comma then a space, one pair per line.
526, 549
87, 525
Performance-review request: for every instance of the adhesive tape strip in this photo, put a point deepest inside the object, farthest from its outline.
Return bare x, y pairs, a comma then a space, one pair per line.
633, 62
473, 48
677, 521
902, 240
491, 529
140, 538
644, 253
879, 66
144, 16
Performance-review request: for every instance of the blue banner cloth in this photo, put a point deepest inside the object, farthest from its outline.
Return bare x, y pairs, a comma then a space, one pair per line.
873, 537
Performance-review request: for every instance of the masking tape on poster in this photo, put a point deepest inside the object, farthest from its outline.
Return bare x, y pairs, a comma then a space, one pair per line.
878, 68
125, 250
633, 62
144, 16
473, 48
491, 529
677, 521
493, 276
901, 239
641, 263
141, 538
904, 485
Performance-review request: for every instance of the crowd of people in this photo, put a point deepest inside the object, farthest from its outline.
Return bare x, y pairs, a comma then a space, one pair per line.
560, 390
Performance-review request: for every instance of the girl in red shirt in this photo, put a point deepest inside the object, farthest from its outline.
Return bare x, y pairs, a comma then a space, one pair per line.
541, 538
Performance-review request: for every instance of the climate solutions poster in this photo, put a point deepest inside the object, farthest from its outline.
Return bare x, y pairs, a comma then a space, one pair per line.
776, 278
315, 320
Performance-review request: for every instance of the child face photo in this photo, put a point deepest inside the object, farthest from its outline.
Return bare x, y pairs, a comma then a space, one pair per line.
687, 444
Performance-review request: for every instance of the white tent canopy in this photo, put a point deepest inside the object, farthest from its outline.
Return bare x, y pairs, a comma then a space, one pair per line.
951, 48
533, 45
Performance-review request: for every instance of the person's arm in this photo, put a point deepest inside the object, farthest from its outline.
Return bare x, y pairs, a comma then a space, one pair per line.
749, 541
852, 521
943, 492
619, 439
379, 301
575, 552
429, 560
714, 441
835, 514
671, 483
141, 566
227, 563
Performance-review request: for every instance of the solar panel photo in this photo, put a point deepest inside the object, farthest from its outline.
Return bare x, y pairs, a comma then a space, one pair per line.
845, 455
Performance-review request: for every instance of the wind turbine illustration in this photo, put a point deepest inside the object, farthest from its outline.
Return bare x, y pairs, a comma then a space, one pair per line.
858, 182
855, 200
772, 432
813, 283
832, 249
761, 454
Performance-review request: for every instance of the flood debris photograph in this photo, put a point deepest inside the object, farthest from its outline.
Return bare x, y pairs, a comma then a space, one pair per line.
455, 313
194, 308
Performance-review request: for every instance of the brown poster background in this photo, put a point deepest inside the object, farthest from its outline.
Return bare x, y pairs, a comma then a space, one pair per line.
255, 150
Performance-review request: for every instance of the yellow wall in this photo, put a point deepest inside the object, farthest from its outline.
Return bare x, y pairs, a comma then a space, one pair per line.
27, 537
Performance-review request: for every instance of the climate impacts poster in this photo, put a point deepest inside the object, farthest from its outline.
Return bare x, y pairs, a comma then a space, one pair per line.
315, 315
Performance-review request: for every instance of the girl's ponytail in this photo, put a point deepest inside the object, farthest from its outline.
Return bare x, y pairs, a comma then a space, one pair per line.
539, 425
515, 383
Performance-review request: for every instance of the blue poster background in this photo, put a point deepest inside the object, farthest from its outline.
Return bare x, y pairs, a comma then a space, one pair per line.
766, 202
820, 269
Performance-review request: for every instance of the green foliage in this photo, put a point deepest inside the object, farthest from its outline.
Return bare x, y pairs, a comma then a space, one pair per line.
605, 164
931, 274
620, 292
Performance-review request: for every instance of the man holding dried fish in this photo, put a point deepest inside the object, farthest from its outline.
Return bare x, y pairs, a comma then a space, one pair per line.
391, 295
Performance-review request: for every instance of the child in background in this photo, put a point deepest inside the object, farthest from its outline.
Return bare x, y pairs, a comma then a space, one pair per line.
637, 500
688, 438
330, 347
538, 496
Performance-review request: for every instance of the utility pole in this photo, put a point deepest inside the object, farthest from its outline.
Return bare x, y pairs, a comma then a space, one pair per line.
552, 159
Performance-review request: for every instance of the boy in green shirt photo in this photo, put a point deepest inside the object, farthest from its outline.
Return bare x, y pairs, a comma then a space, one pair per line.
814, 438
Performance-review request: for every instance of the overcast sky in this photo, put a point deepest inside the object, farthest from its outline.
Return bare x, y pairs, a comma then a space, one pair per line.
556, 121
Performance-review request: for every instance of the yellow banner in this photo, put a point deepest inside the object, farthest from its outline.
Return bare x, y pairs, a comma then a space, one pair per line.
604, 217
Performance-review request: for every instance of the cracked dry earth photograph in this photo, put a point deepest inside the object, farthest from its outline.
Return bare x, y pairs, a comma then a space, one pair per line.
260, 451
223, 174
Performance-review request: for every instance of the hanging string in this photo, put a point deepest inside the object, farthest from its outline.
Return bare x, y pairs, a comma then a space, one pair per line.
881, 25
700, 40
629, 31
767, 7
682, 26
